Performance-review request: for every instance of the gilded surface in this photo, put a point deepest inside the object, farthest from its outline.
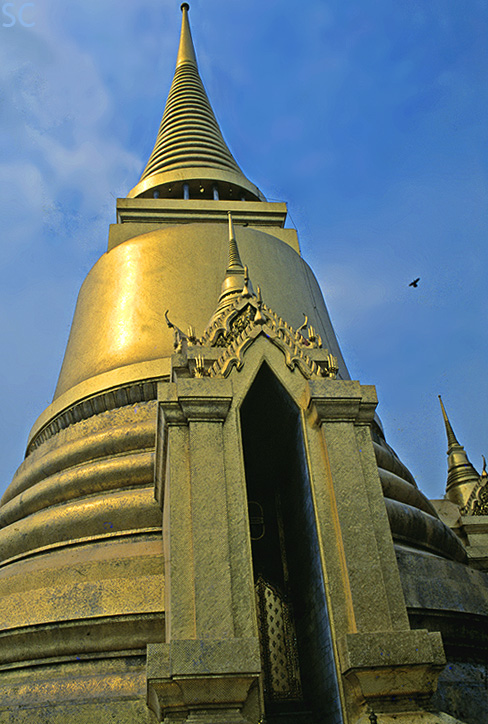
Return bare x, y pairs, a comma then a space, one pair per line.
119, 318
241, 316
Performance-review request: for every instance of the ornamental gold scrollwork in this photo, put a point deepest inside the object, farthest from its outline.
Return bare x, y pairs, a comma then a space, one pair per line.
234, 329
478, 500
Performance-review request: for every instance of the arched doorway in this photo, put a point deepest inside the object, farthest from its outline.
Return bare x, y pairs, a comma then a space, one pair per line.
299, 677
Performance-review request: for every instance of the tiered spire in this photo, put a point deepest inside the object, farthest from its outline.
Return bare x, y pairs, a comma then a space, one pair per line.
190, 158
461, 475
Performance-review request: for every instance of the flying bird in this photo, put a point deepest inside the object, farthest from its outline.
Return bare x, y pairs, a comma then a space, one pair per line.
415, 282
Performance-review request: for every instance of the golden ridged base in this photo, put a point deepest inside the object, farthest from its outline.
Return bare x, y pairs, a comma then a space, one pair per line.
108, 690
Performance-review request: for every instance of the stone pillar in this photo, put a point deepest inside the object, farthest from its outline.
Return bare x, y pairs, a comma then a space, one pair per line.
384, 666
203, 672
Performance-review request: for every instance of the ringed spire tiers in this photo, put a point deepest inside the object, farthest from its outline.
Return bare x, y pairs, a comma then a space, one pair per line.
190, 158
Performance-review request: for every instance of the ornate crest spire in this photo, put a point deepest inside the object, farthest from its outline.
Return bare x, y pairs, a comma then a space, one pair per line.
234, 280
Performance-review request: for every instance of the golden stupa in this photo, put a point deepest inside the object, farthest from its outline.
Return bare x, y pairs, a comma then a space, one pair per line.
209, 525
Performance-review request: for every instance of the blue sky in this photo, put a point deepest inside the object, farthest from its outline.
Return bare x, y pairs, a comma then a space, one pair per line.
368, 117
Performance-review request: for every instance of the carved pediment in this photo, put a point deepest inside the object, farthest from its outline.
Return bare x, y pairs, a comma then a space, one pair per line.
224, 343
241, 317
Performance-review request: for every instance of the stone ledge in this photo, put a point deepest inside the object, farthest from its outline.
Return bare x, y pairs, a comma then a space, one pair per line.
393, 671
392, 648
210, 680
200, 657
341, 401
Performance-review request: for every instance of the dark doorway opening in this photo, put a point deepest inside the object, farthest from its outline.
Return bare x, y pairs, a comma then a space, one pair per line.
299, 678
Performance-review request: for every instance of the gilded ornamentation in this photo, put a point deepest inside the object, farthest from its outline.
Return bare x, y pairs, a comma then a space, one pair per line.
236, 328
480, 505
200, 370
240, 318
179, 336
478, 500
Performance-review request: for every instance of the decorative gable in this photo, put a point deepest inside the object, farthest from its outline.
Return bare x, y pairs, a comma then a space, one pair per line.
231, 332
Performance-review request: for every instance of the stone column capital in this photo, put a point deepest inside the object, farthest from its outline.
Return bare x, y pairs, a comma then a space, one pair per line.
208, 680
340, 401
195, 400
393, 665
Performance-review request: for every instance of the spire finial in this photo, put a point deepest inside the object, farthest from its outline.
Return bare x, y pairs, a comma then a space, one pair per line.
451, 438
234, 284
234, 258
247, 290
186, 51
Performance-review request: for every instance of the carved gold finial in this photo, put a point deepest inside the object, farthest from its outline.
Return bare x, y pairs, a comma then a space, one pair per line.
304, 326
235, 275
484, 474
200, 366
179, 336
461, 475
247, 290
258, 317
259, 297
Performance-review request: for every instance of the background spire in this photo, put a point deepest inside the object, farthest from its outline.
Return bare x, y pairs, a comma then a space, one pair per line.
451, 438
461, 475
